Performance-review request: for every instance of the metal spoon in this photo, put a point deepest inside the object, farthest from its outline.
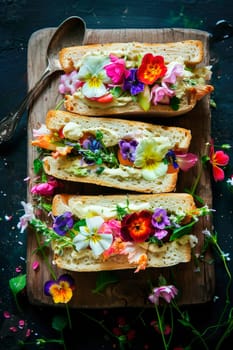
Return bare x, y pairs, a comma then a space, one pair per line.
69, 33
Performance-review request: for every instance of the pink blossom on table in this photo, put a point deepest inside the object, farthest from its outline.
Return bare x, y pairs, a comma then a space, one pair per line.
43, 130
161, 94
6, 314
27, 217
186, 161
69, 83
35, 265
174, 70
45, 188
116, 70
165, 292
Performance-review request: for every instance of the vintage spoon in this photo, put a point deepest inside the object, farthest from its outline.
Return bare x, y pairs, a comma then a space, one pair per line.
69, 33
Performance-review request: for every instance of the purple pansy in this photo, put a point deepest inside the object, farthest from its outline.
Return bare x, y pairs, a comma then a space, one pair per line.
160, 219
132, 84
63, 223
128, 149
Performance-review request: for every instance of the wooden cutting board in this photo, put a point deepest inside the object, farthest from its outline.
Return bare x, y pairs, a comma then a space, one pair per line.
196, 285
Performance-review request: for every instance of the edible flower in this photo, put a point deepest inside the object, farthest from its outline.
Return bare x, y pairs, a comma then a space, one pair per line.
136, 255
174, 70
94, 76
151, 69
161, 94
116, 70
69, 83
160, 220
60, 290
165, 292
128, 149
137, 227
150, 154
63, 223
26, 217
93, 235
45, 188
218, 159
132, 84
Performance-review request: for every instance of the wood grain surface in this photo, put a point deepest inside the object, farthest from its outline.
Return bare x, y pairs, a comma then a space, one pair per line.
195, 285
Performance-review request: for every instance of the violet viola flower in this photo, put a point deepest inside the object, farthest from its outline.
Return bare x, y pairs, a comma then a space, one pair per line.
63, 223
60, 290
160, 220
128, 149
166, 292
45, 188
132, 84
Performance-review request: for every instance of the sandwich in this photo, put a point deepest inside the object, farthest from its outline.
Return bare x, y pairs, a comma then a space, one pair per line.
111, 152
163, 79
93, 233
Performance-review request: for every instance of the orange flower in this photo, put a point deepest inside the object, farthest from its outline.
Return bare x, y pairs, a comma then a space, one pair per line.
61, 290
218, 159
152, 68
137, 226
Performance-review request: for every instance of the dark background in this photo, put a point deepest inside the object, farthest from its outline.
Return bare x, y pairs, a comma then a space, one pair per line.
18, 20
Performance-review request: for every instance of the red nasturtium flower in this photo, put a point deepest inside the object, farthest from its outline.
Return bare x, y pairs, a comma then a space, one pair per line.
151, 69
218, 159
137, 227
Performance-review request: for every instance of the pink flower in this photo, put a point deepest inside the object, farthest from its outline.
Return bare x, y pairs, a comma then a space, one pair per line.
218, 159
116, 69
69, 83
174, 70
112, 227
186, 161
166, 292
161, 94
45, 188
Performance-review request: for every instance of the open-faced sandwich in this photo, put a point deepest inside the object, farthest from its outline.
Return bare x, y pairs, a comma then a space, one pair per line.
164, 79
91, 233
116, 153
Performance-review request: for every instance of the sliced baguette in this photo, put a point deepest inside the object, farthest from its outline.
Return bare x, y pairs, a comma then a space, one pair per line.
113, 130
189, 53
170, 253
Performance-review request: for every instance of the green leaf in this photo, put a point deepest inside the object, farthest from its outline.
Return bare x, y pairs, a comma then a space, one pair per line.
104, 278
175, 103
37, 165
17, 284
59, 323
181, 231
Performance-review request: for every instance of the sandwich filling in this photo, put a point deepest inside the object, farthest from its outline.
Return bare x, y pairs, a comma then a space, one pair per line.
103, 80
96, 151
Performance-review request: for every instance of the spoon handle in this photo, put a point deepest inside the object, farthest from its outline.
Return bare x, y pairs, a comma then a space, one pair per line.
9, 123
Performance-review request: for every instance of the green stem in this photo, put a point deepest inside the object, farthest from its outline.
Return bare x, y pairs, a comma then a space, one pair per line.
45, 258
68, 316
196, 182
225, 335
194, 330
161, 328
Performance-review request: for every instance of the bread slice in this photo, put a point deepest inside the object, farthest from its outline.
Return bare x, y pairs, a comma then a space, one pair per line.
113, 130
167, 254
190, 89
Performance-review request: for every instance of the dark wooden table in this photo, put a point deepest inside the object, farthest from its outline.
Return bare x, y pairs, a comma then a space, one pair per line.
18, 20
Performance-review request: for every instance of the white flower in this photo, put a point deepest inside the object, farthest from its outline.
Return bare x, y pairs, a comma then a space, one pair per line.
230, 181
43, 130
91, 236
27, 217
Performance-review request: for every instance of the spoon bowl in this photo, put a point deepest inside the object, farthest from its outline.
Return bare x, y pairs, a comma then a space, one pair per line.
69, 33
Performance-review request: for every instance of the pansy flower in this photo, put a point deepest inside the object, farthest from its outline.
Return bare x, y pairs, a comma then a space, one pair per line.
159, 221
150, 154
93, 235
151, 69
63, 223
218, 159
128, 149
94, 76
165, 292
132, 84
60, 290
137, 227
116, 70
